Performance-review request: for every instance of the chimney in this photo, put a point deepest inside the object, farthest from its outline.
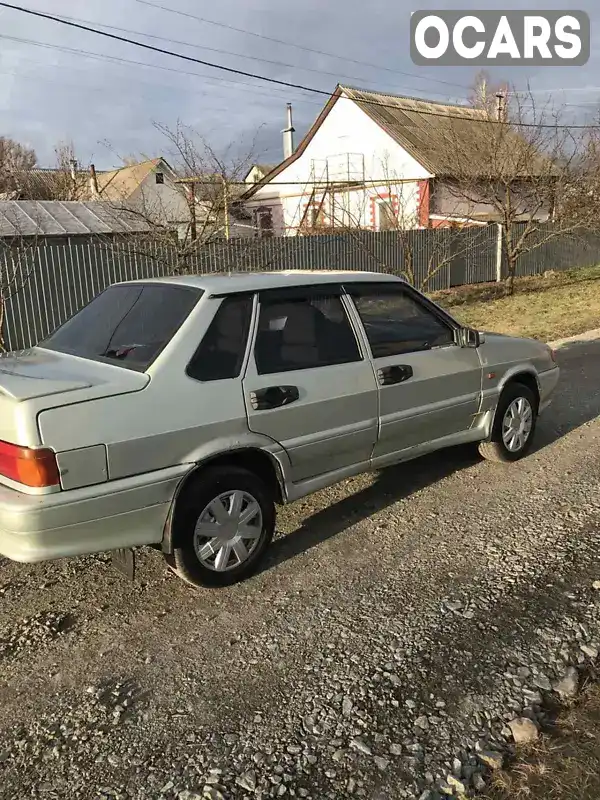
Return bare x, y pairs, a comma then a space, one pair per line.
501, 106
288, 134
94, 183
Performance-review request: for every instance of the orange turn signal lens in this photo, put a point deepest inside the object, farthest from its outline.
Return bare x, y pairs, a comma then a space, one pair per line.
35, 467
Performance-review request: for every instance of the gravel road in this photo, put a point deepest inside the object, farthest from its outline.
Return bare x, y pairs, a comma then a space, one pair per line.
402, 621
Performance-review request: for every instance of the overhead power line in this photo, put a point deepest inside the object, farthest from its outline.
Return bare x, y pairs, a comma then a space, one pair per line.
275, 81
118, 60
235, 55
297, 46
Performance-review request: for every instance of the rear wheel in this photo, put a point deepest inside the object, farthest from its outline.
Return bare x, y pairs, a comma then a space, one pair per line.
223, 525
514, 425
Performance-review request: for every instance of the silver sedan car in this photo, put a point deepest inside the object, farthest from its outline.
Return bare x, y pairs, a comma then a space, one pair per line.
179, 412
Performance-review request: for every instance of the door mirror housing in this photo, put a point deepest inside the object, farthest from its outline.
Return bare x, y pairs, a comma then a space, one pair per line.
468, 337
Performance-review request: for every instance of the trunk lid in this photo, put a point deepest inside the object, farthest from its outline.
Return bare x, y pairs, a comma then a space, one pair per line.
37, 379
40, 373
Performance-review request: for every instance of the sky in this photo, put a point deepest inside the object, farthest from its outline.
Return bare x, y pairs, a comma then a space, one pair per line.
109, 107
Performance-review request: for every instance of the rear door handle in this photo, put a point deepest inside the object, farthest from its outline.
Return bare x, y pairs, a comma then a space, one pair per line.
273, 397
398, 373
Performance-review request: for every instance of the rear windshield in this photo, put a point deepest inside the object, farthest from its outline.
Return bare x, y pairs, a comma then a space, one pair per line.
127, 324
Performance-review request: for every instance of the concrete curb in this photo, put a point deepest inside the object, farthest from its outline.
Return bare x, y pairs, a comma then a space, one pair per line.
588, 336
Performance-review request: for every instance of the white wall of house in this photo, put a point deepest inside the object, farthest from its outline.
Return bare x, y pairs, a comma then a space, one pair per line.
166, 202
353, 147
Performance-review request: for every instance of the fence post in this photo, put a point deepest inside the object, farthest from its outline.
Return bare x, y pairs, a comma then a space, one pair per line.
499, 253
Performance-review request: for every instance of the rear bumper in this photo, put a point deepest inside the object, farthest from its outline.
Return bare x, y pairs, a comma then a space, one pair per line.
547, 382
124, 513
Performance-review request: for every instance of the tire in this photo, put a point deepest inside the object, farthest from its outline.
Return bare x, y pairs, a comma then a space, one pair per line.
497, 449
220, 487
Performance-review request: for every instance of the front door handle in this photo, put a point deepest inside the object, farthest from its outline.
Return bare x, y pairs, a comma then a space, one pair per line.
398, 373
273, 397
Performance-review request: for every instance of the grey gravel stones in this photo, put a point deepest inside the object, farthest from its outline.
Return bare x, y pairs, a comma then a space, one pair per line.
568, 686
247, 780
359, 745
492, 759
33, 633
308, 680
523, 730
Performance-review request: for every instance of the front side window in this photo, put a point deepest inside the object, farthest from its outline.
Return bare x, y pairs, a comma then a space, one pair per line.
395, 322
220, 355
127, 324
303, 333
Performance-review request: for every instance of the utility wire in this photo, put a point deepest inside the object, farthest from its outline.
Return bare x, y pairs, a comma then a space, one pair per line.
327, 54
236, 55
119, 60
298, 46
275, 81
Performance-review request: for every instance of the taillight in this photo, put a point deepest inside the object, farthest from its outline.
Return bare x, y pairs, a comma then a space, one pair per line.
553, 355
31, 467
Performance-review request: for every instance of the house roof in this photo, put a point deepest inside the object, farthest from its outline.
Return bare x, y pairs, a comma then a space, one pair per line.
114, 185
69, 218
449, 139
437, 135
264, 168
42, 183
120, 184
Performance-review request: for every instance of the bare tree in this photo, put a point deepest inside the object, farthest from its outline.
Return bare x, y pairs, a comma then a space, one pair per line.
197, 203
71, 182
486, 93
15, 161
394, 202
514, 172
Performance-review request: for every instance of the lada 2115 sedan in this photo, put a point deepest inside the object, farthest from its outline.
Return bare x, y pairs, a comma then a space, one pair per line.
179, 412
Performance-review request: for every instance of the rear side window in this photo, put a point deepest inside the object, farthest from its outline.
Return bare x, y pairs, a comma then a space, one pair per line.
127, 324
221, 353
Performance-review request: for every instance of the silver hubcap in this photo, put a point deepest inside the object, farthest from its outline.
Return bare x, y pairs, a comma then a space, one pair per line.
228, 530
517, 424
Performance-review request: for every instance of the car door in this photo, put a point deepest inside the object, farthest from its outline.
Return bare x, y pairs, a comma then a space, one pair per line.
429, 387
309, 385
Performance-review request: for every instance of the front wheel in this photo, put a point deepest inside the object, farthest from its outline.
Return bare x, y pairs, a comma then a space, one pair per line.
514, 425
224, 525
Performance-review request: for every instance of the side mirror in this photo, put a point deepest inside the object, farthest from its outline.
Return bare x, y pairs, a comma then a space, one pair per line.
468, 337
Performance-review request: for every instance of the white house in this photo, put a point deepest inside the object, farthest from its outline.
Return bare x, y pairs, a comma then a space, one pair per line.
150, 187
373, 161
257, 172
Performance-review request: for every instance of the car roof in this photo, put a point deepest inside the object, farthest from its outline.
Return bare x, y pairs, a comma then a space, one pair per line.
234, 282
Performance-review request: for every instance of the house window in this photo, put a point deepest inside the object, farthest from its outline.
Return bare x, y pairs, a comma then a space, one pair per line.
316, 217
264, 222
386, 217
160, 178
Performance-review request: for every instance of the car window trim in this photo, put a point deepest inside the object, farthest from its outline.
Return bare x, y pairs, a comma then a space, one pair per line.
387, 287
287, 292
